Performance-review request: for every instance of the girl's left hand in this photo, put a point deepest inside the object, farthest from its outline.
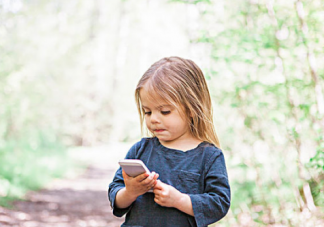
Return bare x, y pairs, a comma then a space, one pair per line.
166, 195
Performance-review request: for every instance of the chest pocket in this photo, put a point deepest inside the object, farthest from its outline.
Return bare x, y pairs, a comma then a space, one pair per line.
188, 182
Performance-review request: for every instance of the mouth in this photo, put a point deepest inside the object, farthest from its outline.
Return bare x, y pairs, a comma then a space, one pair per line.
158, 130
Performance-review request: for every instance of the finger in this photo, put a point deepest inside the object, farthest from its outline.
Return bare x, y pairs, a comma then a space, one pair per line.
153, 175
156, 176
158, 185
141, 177
157, 196
125, 176
157, 191
149, 180
152, 185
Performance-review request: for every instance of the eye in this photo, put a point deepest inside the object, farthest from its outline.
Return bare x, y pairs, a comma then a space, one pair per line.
165, 112
147, 113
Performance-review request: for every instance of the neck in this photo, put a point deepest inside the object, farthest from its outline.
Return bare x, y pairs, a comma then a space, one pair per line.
183, 145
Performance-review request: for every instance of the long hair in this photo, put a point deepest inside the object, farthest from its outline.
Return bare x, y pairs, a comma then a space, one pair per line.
181, 83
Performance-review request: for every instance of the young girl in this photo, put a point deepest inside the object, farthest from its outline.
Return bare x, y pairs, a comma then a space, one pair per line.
188, 172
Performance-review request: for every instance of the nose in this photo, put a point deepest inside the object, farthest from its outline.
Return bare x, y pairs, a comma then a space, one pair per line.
154, 118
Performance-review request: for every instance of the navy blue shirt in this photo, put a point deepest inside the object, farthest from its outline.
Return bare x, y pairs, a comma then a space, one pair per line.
200, 173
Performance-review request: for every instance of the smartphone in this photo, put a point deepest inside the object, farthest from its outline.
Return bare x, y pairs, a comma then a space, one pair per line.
133, 167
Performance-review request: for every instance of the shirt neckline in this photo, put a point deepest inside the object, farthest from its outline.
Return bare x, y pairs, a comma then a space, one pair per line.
157, 142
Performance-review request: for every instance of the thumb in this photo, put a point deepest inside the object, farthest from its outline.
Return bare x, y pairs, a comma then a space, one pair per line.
125, 176
159, 185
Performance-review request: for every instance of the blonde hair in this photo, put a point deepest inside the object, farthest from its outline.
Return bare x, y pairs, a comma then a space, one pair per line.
181, 83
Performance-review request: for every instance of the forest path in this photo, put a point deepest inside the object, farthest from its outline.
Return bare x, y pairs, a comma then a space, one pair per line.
79, 200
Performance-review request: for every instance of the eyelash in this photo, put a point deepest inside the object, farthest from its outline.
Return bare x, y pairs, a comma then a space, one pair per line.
165, 112
162, 112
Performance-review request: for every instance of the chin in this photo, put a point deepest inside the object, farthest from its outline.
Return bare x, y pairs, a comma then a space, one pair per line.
164, 140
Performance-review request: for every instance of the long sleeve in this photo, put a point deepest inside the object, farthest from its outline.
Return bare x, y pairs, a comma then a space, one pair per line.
200, 173
118, 183
214, 203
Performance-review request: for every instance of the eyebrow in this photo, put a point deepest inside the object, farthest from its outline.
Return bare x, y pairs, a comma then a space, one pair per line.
158, 107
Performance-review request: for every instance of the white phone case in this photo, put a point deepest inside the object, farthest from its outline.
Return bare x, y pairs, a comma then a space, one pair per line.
133, 167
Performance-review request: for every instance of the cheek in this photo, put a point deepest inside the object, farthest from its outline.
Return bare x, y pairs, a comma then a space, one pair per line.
147, 122
180, 124
172, 125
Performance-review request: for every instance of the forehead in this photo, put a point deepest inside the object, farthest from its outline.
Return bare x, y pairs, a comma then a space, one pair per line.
151, 99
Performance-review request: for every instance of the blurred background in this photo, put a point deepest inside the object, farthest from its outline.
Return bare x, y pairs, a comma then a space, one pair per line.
68, 70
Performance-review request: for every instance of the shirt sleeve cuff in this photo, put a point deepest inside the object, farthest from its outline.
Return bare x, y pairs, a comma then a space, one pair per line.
197, 208
117, 211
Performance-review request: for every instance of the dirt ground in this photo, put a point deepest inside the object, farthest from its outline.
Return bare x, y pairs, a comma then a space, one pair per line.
78, 200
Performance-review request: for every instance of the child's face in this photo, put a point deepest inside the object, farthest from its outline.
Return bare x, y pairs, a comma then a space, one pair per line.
165, 121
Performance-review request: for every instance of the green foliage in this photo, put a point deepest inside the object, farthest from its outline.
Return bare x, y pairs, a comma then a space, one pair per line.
317, 190
262, 84
29, 163
317, 161
316, 164
63, 70
44, 63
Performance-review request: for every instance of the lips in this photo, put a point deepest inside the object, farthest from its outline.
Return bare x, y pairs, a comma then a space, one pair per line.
158, 130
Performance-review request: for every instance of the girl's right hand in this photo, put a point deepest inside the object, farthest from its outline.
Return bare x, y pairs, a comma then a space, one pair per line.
136, 186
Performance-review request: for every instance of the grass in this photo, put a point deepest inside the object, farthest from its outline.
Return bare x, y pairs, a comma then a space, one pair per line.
29, 164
